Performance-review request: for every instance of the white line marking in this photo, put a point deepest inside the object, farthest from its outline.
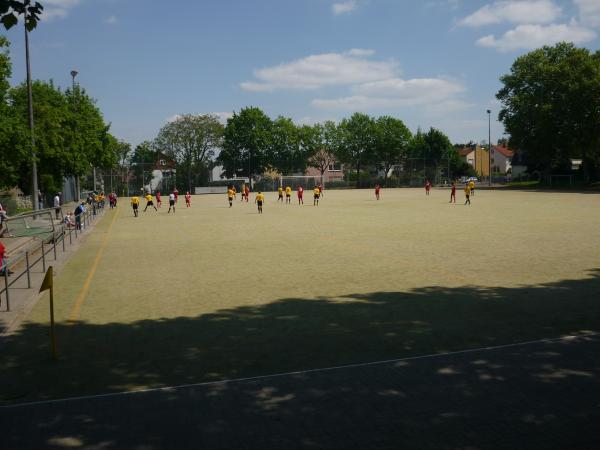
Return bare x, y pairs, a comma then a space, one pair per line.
302, 372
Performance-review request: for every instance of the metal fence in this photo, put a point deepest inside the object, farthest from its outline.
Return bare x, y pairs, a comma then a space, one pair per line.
35, 255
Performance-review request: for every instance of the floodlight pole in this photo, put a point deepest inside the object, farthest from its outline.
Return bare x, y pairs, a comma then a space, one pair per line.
489, 112
34, 193
73, 75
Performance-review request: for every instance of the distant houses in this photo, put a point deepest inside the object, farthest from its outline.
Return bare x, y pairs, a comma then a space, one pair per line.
479, 158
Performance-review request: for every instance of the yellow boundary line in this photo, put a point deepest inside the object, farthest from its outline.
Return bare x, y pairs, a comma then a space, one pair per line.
88, 281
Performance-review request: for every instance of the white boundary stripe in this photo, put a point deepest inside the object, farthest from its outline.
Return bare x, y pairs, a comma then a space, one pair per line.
302, 372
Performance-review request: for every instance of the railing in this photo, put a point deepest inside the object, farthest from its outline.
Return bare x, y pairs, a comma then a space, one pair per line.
37, 253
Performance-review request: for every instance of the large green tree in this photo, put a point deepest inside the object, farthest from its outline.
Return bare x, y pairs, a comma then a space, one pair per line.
326, 142
192, 141
357, 142
551, 107
12, 156
70, 133
246, 143
392, 140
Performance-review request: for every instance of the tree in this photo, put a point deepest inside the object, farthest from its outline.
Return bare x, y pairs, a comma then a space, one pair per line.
325, 146
12, 156
550, 107
434, 148
70, 133
53, 119
10, 10
284, 146
191, 140
357, 142
392, 140
246, 143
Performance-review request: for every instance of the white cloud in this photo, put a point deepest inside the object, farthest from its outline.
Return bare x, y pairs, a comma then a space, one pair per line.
518, 12
112, 20
533, 36
360, 52
57, 9
344, 7
315, 71
432, 93
589, 12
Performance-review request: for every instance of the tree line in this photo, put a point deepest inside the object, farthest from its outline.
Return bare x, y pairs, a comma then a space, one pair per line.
252, 144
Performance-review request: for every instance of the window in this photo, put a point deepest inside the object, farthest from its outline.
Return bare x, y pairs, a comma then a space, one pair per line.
335, 167
163, 162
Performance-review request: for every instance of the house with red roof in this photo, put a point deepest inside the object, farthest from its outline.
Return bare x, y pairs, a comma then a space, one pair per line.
501, 159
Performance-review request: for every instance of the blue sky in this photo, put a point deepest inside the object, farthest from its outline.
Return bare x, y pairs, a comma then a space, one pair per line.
430, 63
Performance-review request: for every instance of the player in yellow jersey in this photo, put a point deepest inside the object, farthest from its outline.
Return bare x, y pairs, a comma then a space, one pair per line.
230, 195
280, 194
260, 199
135, 204
472, 187
316, 195
149, 202
288, 195
467, 194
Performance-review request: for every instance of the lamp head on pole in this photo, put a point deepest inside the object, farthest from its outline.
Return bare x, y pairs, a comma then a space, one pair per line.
74, 73
489, 111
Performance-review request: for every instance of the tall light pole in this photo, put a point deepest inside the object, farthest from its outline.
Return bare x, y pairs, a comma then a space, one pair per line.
73, 75
489, 112
34, 193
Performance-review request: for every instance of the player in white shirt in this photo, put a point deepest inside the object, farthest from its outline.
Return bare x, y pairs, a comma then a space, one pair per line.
171, 202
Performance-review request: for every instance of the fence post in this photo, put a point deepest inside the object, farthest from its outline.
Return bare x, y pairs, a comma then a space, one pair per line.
6, 288
43, 257
70, 237
28, 276
54, 247
63, 239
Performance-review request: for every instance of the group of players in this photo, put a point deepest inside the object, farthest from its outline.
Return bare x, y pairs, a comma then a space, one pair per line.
469, 191
173, 199
260, 197
259, 200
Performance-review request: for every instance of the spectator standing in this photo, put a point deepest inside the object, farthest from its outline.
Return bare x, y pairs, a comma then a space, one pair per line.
57, 205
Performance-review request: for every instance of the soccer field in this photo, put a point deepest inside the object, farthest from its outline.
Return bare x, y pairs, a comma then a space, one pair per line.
213, 292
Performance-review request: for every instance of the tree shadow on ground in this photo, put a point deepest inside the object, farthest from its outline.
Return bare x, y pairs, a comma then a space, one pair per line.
298, 334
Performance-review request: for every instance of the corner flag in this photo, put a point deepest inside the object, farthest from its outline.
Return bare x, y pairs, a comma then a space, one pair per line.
48, 283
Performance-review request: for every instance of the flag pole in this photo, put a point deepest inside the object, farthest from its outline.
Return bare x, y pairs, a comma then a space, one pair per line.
48, 283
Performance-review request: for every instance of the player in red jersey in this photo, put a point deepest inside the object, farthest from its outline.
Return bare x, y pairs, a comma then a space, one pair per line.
158, 200
176, 192
453, 193
427, 187
300, 195
377, 189
247, 192
188, 200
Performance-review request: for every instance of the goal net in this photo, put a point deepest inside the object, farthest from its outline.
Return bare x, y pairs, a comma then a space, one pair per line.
39, 224
307, 182
221, 186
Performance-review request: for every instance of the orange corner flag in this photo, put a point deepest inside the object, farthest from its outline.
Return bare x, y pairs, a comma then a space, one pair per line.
47, 283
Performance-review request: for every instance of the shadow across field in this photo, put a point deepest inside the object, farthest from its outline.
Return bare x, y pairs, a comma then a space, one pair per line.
538, 396
288, 335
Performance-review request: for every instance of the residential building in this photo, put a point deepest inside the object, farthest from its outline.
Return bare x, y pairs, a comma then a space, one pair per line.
335, 172
502, 159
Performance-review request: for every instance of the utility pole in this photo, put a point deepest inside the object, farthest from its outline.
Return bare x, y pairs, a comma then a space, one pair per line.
34, 177
489, 111
73, 75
